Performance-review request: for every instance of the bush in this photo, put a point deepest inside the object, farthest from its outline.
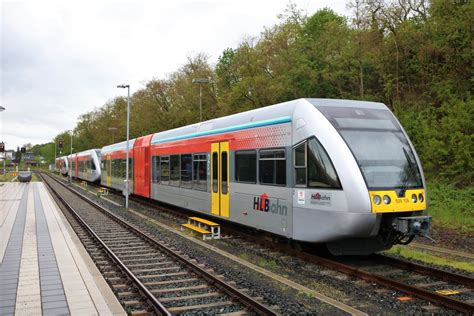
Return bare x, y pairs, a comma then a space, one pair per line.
444, 139
451, 207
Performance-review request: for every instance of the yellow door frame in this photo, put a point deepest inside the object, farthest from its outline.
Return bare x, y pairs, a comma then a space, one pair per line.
220, 179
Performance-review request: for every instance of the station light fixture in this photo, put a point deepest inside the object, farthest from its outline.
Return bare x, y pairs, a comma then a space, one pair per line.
201, 81
127, 189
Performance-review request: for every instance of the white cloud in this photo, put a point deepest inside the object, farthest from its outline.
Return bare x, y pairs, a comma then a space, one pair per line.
61, 59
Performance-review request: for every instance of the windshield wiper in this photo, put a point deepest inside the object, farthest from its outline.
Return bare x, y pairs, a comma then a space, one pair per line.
407, 179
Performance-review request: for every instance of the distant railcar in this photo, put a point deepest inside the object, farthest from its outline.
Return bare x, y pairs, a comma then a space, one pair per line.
113, 158
85, 165
338, 172
61, 165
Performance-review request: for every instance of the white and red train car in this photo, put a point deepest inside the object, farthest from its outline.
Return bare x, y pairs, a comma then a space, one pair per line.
338, 172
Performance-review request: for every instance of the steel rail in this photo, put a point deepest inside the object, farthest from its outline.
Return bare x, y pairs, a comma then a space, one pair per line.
222, 285
433, 297
444, 275
142, 288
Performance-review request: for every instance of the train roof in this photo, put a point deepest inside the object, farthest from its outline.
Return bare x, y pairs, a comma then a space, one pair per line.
269, 115
118, 146
87, 152
275, 114
347, 103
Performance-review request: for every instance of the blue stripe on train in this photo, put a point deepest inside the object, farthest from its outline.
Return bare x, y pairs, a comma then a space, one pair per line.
280, 120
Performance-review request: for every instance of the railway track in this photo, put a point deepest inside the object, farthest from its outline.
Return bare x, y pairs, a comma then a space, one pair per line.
413, 279
147, 276
468, 257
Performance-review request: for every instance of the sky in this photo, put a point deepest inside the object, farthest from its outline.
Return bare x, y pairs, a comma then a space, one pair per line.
61, 59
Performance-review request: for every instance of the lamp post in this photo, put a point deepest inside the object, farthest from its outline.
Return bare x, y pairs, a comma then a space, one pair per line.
112, 129
4, 153
127, 191
201, 81
70, 165
4, 158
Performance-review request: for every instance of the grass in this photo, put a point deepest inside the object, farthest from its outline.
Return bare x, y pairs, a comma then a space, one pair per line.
427, 258
6, 177
34, 177
267, 264
451, 207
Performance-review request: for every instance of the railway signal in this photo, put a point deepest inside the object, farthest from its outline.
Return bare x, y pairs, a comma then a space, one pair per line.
2, 147
61, 144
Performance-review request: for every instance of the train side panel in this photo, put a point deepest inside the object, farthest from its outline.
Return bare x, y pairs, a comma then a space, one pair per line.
113, 166
266, 207
141, 166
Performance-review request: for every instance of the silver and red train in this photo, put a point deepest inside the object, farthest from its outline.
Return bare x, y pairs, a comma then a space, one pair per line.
339, 172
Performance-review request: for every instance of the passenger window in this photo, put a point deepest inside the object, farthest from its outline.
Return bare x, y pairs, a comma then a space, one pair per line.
321, 172
246, 166
130, 168
155, 162
164, 169
272, 167
186, 171
174, 170
200, 172
300, 164
215, 172
224, 172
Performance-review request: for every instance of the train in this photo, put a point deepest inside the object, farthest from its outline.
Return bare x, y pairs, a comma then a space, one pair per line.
339, 173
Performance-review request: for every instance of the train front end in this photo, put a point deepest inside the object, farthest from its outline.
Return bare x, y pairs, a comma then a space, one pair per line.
391, 171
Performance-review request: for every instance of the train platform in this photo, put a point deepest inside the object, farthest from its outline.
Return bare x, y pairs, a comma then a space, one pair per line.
44, 269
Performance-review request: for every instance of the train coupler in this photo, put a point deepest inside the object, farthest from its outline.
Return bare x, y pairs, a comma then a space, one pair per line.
412, 226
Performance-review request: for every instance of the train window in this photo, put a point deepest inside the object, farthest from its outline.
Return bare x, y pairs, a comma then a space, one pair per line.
130, 168
155, 169
300, 164
174, 170
224, 167
215, 172
321, 172
92, 165
200, 171
246, 166
165, 169
121, 166
272, 166
186, 171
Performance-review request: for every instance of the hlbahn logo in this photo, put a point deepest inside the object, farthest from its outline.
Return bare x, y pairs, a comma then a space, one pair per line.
322, 199
264, 204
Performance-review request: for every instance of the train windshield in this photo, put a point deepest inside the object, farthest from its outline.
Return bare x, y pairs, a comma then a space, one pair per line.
379, 146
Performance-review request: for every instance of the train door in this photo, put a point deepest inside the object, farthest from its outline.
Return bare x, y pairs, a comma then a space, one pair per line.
141, 166
220, 167
108, 179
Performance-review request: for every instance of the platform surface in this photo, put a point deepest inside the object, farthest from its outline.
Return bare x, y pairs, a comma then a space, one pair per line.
44, 269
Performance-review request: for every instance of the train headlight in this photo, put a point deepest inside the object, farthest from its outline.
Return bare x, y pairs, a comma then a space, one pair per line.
387, 199
377, 199
420, 197
413, 198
